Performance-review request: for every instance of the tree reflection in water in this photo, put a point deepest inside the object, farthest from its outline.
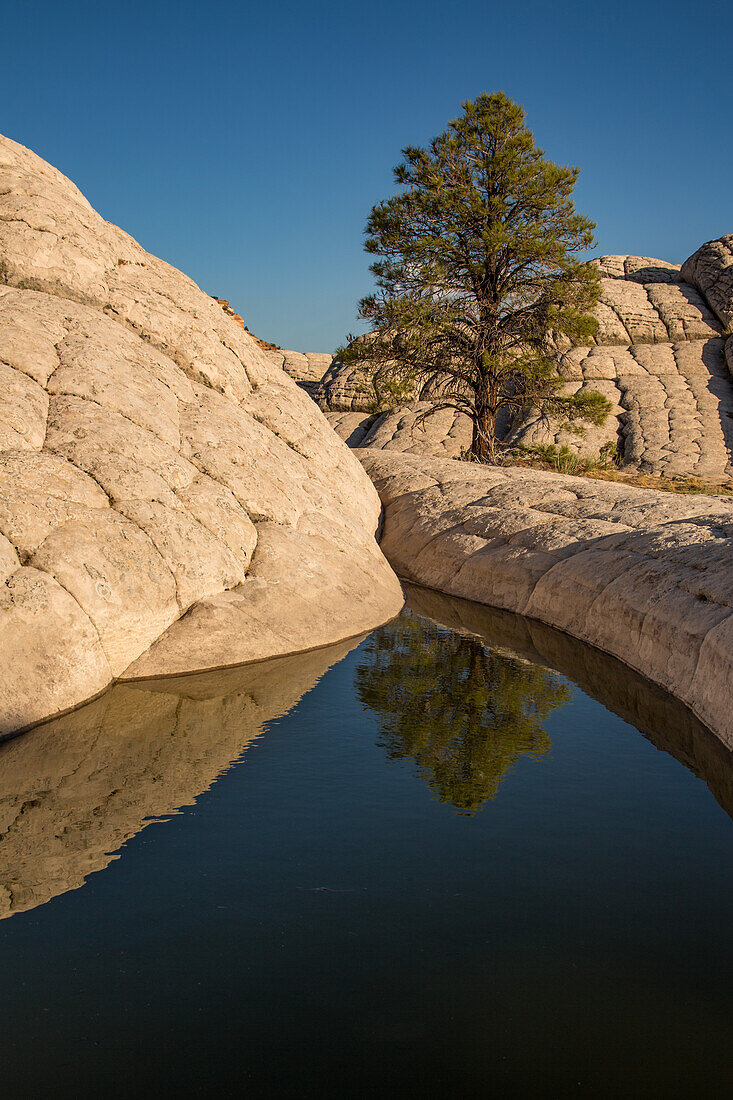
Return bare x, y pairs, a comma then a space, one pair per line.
464, 713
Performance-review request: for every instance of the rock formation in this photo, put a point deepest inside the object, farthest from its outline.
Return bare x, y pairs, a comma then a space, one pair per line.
645, 576
306, 368
710, 269
348, 388
642, 575
659, 357
236, 317
419, 428
162, 482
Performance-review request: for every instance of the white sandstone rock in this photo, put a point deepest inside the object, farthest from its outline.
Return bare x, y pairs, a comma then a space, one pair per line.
152, 454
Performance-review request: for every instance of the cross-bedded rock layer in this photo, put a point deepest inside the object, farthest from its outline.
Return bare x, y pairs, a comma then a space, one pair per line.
161, 479
659, 356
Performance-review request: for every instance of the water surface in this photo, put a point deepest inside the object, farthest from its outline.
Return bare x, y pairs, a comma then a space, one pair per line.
457, 862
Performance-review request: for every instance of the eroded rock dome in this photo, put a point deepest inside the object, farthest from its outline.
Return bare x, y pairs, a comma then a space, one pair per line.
163, 483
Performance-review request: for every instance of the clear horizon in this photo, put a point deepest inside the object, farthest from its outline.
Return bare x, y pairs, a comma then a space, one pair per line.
246, 143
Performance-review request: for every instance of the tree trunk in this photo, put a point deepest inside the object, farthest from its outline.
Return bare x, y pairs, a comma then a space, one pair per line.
483, 443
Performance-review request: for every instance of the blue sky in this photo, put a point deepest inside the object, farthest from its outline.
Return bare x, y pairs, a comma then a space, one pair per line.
246, 142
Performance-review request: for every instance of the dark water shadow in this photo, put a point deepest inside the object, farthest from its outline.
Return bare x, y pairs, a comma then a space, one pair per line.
666, 722
74, 789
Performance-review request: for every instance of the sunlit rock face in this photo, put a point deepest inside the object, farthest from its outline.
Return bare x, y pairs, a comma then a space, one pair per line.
659, 356
73, 790
710, 269
347, 387
418, 428
162, 479
307, 368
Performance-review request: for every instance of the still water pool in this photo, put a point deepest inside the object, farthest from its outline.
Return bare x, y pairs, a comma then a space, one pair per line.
470, 858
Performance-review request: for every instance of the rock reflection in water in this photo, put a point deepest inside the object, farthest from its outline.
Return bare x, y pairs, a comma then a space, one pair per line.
661, 718
465, 713
73, 790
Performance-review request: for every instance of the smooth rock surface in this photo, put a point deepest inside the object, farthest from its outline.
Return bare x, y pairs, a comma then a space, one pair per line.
645, 576
154, 458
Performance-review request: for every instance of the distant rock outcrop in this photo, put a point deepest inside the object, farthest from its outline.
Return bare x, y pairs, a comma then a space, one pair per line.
163, 483
710, 269
304, 367
659, 357
419, 428
347, 387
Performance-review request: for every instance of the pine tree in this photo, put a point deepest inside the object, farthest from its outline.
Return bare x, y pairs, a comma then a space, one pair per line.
478, 276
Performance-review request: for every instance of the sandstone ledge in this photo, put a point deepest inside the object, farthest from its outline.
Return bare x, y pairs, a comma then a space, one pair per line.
643, 575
